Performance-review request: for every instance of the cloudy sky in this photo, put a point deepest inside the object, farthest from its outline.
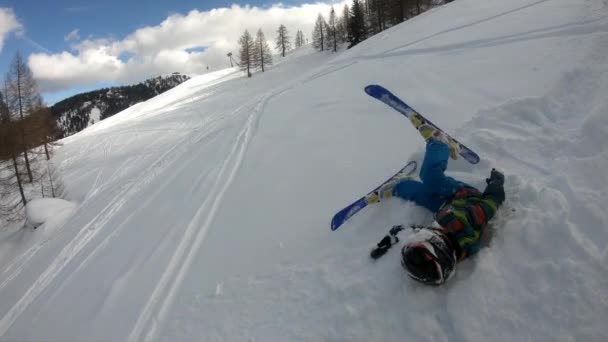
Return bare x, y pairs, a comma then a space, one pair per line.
75, 46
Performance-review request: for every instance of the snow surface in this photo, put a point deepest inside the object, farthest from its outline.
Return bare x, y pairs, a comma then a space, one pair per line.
203, 213
94, 116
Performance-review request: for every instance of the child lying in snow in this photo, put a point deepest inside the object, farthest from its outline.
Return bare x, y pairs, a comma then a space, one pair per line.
461, 213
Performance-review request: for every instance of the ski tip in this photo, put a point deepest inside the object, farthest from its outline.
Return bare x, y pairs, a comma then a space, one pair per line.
376, 91
337, 220
470, 156
370, 88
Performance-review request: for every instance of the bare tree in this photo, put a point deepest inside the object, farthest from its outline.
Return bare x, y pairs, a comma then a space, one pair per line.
299, 42
283, 43
22, 97
318, 35
345, 21
51, 183
246, 52
377, 15
11, 205
262, 55
43, 129
332, 36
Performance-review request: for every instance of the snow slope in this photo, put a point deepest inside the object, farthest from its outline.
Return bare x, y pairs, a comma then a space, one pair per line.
205, 213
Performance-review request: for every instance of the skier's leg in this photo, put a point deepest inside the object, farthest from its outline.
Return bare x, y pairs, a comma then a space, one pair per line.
417, 192
433, 168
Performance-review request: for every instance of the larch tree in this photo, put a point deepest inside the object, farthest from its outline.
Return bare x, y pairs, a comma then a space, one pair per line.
332, 36
318, 35
283, 42
22, 98
44, 129
377, 15
299, 41
345, 23
247, 51
10, 176
262, 55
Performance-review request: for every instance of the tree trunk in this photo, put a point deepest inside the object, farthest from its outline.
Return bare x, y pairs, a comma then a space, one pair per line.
322, 40
335, 40
401, 11
14, 157
262, 55
46, 151
248, 65
48, 169
283, 43
27, 161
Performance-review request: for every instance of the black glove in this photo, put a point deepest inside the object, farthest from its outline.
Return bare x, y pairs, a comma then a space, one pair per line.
496, 177
495, 187
387, 242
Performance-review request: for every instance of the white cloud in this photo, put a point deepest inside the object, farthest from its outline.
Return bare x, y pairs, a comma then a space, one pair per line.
72, 36
8, 23
154, 50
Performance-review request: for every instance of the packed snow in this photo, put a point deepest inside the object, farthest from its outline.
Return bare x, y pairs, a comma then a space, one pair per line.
203, 213
94, 116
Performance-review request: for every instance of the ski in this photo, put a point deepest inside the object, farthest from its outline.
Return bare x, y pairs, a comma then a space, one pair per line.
418, 120
362, 202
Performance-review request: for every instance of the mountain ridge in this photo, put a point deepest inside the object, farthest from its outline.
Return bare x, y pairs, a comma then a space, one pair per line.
82, 110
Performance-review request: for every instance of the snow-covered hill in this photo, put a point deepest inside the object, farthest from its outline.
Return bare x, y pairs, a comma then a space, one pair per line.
205, 214
84, 110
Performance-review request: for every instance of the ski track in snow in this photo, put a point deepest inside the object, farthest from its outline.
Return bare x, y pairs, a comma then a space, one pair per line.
93, 228
195, 233
551, 192
464, 26
84, 236
157, 307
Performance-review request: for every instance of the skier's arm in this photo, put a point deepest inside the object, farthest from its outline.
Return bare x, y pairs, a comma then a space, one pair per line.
494, 195
456, 222
467, 238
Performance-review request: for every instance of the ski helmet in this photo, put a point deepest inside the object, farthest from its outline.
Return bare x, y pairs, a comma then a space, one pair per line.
432, 260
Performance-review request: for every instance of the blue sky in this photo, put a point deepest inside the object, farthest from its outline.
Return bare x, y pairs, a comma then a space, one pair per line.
122, 42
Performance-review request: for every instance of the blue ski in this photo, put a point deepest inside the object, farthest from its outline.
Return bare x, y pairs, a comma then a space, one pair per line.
382, 94
362, 202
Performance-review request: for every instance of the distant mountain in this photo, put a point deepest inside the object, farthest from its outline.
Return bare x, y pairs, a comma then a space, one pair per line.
80, 111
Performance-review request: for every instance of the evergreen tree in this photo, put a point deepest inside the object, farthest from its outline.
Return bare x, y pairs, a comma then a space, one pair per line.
247, 51
318, 35
356, 30
261, 55
283, 42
